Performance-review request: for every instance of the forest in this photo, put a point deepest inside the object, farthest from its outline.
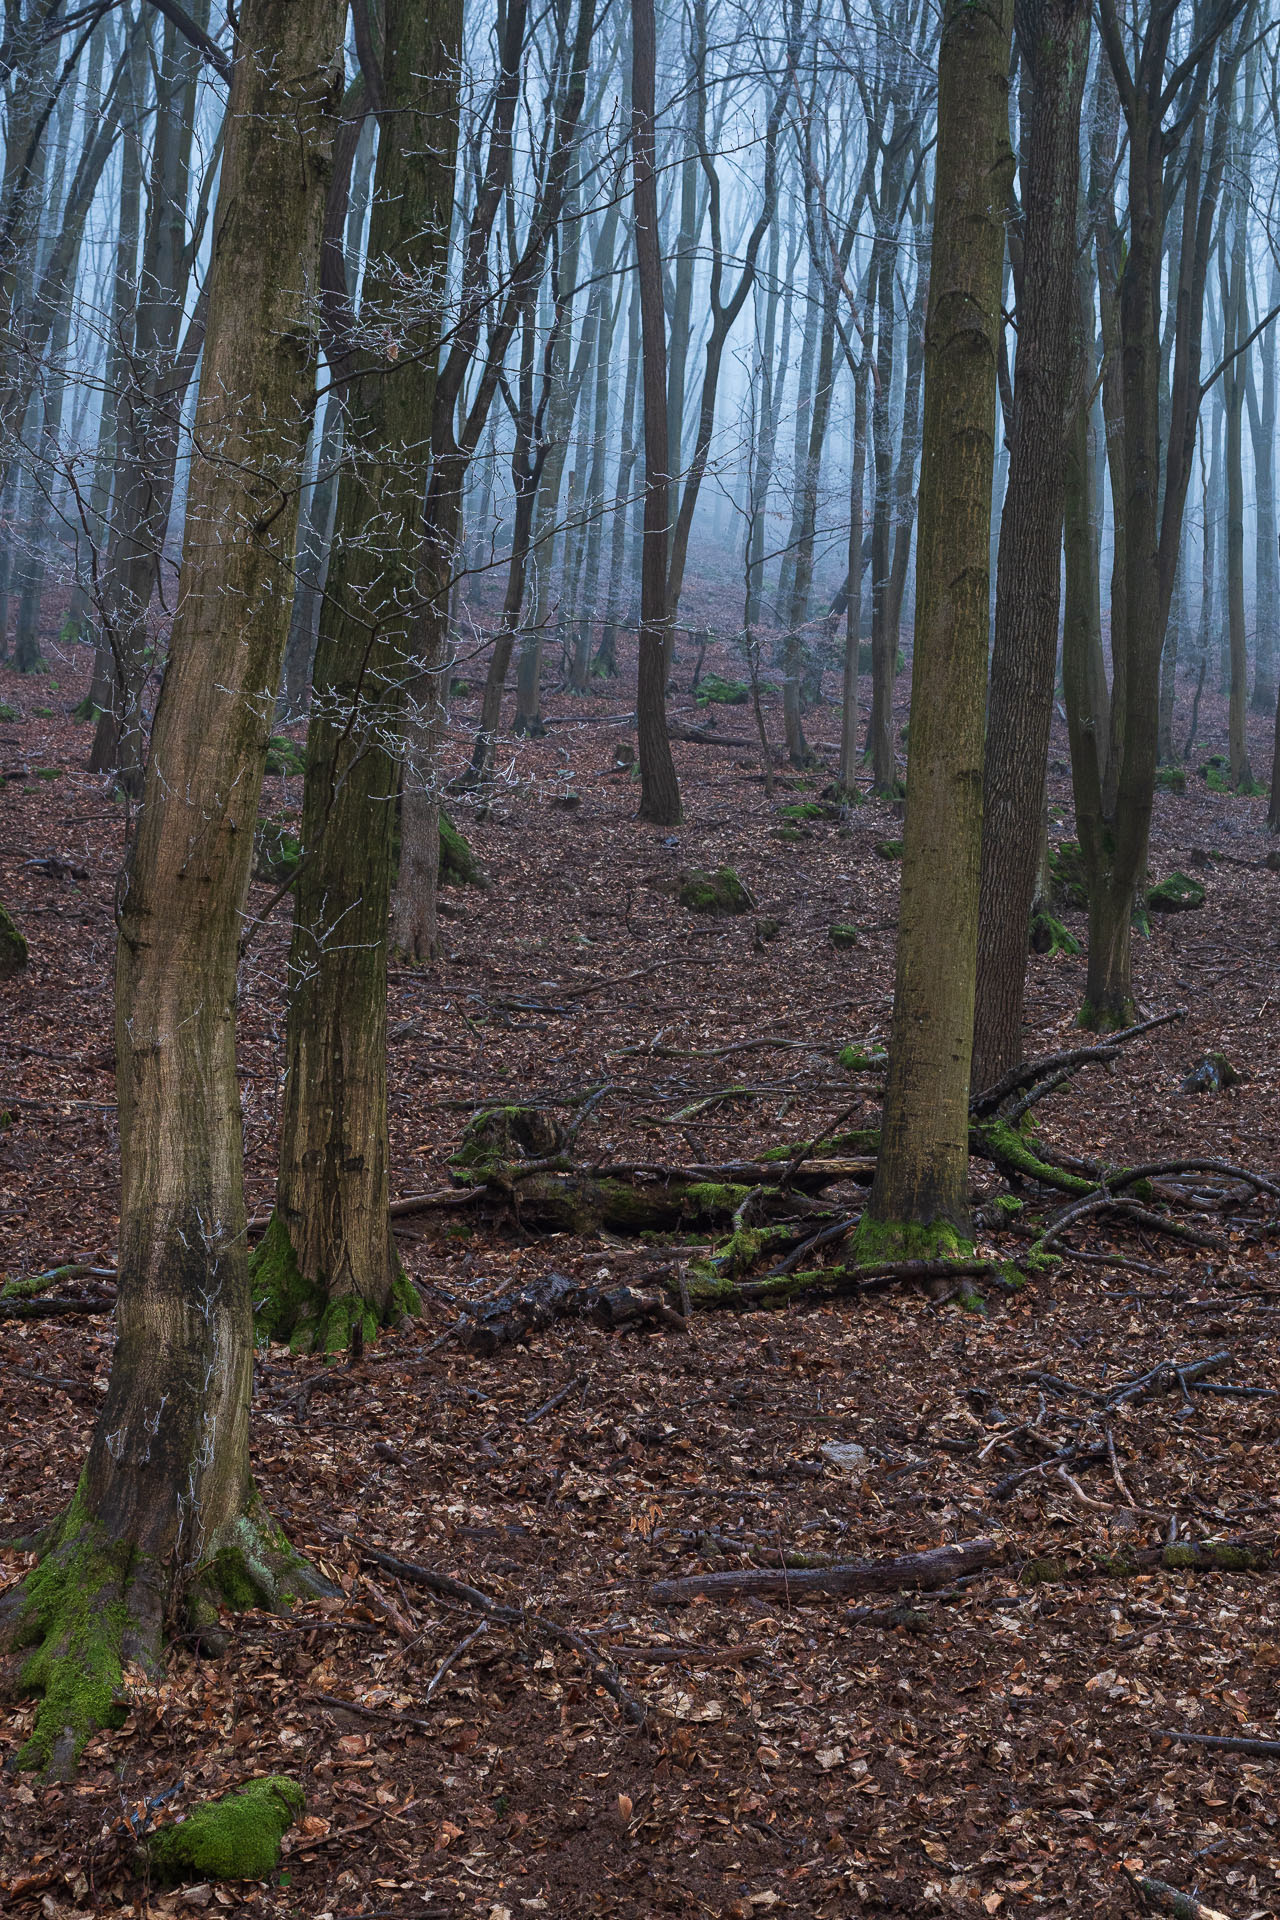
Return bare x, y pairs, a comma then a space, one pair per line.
639, 1018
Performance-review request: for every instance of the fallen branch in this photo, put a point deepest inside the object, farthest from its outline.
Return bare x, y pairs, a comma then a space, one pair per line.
1157, 1897
986, 1103
1222, 1742
41, 1309
919, 1572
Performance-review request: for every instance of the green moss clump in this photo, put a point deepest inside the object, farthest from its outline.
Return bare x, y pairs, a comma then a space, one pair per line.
1009, 1205
1048, 935
49, 773
83, 711
712, 1199
282, 1298
1215, 1556
1066, 869
861, 1140
13, 945
713, 691
790, 836
8, 713
405, 1298
1000, 1142
860, 1060
283, 757
73, 1614
721, 892
276, 851
843, 936
235, 1838
1043, 1571
1171, 779
1178, 894
878, 1242
458, 864
801, 810
889, 849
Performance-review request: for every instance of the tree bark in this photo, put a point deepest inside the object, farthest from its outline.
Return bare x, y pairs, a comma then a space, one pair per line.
165, 1509
1053, 39
327, 1274
659, 787
921, 1191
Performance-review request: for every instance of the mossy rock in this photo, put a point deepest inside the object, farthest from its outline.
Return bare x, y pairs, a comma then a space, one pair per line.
843, 937
801, 810
276, 851
494, 1137
713, 691
1048, 935
1066, 868
889, 849
1178, 894
790, 836
42, 713
458, 864
766, 930
283, 757
721, 892
236, 1837
13, 945
8, 713
1171, 779
1211, 1075
862, 1059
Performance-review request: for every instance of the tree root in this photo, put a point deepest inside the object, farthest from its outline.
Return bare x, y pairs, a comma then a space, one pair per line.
94, 1607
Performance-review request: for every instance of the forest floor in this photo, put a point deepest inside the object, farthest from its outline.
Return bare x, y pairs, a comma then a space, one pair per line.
999, 1752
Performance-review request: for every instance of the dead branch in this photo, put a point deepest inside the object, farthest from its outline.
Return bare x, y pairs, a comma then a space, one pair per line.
986, 1103
1157, 1897
1223, 1742
920, 1572
41, 1309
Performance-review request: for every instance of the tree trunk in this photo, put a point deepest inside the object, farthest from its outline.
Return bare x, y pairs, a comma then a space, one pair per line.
847, 777
659, 787
165, 1509
1262, 423
1053, 38
921, 1193
327, 1274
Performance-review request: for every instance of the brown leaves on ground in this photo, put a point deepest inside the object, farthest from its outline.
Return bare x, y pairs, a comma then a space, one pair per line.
993, 1751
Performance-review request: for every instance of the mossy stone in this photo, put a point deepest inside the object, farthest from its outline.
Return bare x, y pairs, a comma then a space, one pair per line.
1171, 779
276, 851
458, 864
283, 757
1066, 868
1210, 1075
862, 1060
1178, 894
1048, 935
721, 892
889, 849
13, 945
236, 1837
8, 713
714, 691
843, 936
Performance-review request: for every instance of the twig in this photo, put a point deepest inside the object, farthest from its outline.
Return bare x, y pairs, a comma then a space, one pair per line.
370, 1713
1027, 1075
451, 1659
549, 1406
1222, 1742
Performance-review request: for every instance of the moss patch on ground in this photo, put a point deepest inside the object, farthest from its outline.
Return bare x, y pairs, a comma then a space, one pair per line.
1178, 894
235, 1838
721, 892
13, 945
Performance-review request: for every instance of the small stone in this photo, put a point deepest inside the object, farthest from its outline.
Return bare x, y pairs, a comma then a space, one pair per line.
845, 1454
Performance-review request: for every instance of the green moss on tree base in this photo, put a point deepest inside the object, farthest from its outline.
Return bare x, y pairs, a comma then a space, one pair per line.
1095, 1019
71, 1609
289, 1307
235, 1838
878, 1242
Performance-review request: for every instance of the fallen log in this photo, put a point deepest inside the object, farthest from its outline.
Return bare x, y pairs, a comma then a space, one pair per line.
1223, 1742
918, 1572
42, 1309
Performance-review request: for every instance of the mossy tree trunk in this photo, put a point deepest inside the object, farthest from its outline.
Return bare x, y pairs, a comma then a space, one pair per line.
1053, 36
327, 1273
922, 1174
166, 1501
